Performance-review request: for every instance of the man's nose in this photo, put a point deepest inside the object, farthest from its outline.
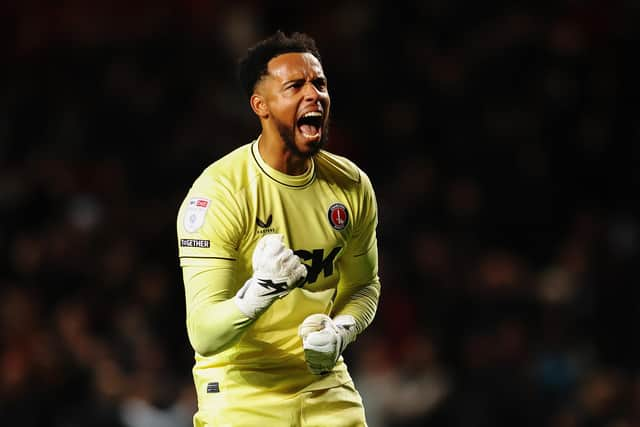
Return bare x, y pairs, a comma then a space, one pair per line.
311, 92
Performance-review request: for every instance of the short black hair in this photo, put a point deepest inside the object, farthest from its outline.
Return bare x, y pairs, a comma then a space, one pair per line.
253, 66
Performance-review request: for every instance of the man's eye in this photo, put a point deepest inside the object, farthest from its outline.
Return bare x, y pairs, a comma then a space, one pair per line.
320, 84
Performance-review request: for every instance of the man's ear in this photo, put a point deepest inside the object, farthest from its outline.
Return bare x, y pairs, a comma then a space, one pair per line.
259, 106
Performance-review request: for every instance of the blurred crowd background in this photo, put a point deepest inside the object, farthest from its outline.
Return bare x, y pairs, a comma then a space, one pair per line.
502, 140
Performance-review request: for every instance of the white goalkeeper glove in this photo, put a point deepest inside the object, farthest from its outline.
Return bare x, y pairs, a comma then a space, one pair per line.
276, 270
324, 339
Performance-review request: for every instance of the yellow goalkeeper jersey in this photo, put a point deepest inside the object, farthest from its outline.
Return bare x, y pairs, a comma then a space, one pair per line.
328, 217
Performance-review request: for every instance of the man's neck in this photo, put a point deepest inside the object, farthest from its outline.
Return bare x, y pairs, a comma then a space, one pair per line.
275, 153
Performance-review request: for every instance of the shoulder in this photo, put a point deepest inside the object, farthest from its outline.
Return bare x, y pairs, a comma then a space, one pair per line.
342, 171
230, 172
338, 167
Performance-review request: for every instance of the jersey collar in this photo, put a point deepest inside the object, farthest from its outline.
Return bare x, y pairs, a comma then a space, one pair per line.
295, 181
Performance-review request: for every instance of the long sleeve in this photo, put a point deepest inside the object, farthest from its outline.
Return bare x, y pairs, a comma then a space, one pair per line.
359, 287
214, 322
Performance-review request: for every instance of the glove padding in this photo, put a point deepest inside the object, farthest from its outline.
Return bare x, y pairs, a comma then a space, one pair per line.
276, 271
324, 339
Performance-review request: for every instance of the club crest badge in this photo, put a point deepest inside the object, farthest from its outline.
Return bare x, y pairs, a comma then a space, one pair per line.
195, 214
338, 216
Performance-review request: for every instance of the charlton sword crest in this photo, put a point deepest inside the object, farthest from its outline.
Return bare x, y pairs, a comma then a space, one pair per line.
338, 216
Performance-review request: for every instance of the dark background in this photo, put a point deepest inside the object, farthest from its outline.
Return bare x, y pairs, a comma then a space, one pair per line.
501, 138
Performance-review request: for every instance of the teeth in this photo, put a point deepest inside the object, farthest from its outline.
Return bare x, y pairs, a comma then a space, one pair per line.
313, 114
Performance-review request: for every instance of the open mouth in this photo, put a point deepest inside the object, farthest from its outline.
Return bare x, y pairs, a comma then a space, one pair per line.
310, 124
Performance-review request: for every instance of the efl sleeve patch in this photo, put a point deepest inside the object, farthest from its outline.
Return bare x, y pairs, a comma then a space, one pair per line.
195, 214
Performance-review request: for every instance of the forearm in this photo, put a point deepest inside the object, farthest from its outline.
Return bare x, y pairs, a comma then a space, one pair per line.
361, 303
218, 313
214, 322
359, 289
213, 328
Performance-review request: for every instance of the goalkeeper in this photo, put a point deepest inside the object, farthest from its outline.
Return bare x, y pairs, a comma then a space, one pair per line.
277, 244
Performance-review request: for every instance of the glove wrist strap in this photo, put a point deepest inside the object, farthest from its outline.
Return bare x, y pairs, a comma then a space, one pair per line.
346, 325
251, 305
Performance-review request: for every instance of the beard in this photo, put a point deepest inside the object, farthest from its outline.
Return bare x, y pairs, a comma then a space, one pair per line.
288, 135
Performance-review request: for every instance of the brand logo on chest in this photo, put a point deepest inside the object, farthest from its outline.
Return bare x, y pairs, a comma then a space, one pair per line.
264, 227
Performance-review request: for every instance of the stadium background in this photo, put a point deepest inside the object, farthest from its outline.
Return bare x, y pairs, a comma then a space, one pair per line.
501, 138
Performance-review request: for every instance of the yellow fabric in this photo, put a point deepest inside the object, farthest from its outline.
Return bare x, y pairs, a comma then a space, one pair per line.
339, 406
229, 207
